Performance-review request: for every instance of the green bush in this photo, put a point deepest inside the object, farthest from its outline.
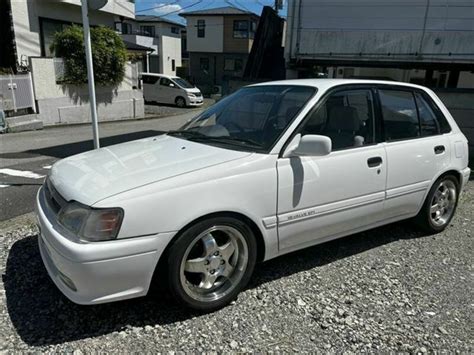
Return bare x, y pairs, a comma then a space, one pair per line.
109, 55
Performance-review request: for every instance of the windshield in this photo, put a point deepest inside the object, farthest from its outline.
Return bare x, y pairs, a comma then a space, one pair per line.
251, 119
183, 83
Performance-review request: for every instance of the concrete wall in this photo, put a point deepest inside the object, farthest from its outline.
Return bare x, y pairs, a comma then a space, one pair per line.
26, 22
214, 36
170, 49
59, 104
403, 30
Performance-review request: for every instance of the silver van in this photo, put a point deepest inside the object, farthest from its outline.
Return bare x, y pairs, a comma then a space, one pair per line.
168, 89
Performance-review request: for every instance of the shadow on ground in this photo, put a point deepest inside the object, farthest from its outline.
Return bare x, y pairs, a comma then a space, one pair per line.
41, 315
66, 150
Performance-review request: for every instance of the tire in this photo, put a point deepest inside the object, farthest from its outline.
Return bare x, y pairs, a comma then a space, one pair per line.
211, 262
180, 102
439, 207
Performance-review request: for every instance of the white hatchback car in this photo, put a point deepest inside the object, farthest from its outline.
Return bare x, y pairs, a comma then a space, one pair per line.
273, 168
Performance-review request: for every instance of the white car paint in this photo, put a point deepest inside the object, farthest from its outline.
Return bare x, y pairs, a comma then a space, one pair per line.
164, 183
167, 95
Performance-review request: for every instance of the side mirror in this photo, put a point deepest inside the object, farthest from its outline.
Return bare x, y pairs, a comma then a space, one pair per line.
308, 145
172, 85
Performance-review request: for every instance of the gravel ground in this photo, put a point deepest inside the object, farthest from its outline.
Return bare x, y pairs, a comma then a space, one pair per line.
159, 110
389, 289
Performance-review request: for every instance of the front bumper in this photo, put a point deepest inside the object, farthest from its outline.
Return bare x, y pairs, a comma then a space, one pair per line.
194, 101
92, 273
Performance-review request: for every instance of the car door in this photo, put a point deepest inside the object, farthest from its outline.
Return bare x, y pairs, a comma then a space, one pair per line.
416, 148
322, 197
167, 91
150, 92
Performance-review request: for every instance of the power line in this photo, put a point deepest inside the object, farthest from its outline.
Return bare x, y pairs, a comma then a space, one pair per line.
237, 4
181, 9
158, 6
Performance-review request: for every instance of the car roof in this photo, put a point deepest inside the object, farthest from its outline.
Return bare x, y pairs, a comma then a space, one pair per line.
325, 84
160, 75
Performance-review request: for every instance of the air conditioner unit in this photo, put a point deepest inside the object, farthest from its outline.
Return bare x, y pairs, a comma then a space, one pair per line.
217, 90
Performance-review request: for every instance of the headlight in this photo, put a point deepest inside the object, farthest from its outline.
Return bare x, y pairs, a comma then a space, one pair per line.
191, 95
91, 224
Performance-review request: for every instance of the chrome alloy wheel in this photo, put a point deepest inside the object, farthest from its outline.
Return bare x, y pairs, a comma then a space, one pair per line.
443, 203
214, 263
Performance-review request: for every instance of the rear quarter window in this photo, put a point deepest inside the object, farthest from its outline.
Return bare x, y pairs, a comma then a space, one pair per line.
423, 99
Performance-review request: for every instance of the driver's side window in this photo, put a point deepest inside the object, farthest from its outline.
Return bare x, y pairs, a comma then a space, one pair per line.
347, 117
165, 82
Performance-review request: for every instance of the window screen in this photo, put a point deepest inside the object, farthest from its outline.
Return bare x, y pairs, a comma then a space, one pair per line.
201, 28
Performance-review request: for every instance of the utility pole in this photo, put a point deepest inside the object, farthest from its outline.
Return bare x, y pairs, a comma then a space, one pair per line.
278, 5
90, 72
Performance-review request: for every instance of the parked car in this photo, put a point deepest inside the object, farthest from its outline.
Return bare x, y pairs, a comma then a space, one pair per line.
270, 169
172, 90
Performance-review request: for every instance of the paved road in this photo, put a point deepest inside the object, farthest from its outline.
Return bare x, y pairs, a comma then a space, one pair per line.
26, 157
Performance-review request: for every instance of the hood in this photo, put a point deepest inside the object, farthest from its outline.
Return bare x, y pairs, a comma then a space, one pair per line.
193, 91
92, 176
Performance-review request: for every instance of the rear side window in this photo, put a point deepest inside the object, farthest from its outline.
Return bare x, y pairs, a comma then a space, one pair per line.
428, 123
430, 116
399, 113
148, 79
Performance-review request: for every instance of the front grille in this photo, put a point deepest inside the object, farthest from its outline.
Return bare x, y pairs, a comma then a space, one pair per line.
53, 199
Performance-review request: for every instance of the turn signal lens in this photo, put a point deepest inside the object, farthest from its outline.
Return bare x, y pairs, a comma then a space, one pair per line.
102, 224
89, 223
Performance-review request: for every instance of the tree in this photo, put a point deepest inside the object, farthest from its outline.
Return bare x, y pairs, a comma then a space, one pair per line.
109, 55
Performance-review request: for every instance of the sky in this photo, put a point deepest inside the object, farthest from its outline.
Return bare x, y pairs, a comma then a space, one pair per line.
170, 9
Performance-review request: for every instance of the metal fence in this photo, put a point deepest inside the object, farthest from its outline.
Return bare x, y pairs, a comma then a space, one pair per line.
16, 92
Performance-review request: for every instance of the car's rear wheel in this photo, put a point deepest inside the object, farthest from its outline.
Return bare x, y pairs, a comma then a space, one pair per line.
211, 262
440, 205
180, 102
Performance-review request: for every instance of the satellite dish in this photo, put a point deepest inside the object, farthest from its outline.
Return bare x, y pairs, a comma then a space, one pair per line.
96, 4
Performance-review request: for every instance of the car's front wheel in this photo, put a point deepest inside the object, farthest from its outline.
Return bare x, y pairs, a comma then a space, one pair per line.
180, 102
440, 205
211, 262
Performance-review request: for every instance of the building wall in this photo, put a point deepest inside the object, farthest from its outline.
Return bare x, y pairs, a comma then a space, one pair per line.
170, 49
415, 30
26, 24
150, 42
213, 41
59, 104
216, 75
439, 79
235, 45
115, 7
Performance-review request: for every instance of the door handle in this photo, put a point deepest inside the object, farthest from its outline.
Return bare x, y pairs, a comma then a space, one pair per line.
439, 149
374, 162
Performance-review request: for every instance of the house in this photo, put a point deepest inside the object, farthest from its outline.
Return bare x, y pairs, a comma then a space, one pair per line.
219, 42
30, 25
418, 41
159, 34
36, 95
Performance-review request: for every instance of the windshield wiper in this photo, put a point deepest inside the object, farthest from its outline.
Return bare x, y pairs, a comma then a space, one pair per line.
238, 140
194, 135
